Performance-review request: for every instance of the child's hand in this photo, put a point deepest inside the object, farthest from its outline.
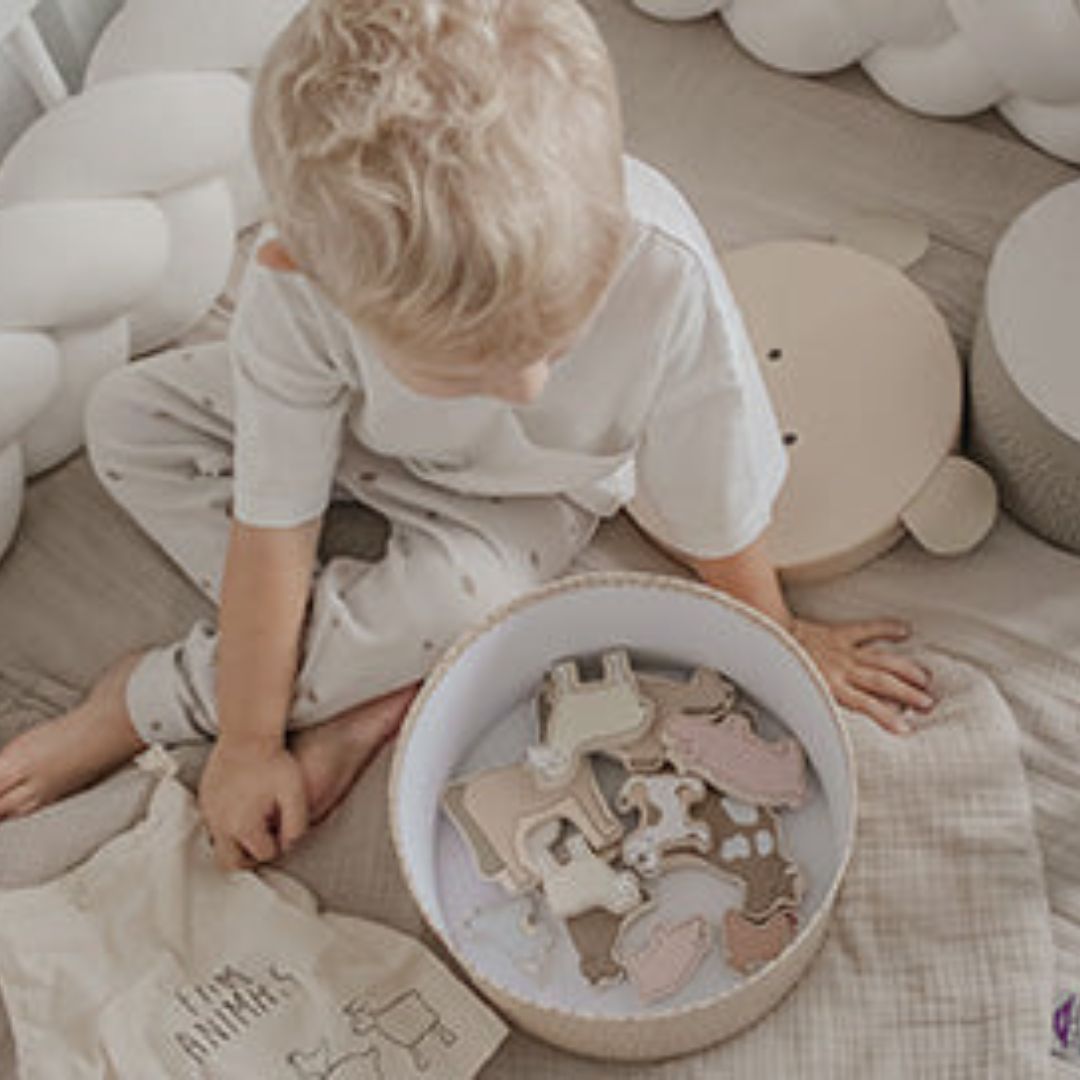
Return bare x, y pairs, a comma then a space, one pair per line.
864, 676
253, 799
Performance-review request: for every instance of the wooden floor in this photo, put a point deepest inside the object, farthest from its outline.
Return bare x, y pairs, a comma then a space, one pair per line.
764, 155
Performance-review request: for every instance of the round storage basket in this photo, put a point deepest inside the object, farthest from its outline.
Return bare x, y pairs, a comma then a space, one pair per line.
1025, 368
474, 713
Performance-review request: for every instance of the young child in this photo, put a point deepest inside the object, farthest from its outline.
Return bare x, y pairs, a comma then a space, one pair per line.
472, 315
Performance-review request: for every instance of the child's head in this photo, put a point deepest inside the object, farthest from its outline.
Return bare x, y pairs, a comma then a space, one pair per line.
448, 171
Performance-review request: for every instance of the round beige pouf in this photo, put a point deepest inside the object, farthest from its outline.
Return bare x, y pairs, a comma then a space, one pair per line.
1025, 368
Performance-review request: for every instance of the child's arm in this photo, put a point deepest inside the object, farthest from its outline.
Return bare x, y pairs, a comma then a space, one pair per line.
252, 793
862, 676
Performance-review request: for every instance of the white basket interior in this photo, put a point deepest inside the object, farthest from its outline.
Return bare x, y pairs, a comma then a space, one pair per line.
476, 710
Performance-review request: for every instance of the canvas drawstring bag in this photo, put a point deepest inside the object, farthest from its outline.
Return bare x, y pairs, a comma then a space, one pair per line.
149, 963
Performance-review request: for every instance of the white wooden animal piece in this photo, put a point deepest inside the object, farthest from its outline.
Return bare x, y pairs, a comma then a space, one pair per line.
581, 882
663, 806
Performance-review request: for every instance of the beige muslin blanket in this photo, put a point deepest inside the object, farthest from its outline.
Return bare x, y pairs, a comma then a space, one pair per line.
147, 962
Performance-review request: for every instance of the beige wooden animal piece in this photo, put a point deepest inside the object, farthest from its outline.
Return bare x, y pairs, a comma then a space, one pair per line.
495, 809
578, 717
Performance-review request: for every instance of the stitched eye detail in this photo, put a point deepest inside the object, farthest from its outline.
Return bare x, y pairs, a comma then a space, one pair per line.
790, 438
775, 354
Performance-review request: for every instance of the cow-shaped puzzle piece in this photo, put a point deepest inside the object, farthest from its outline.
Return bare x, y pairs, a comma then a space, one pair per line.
732, 757
750, 945
664, 825
706, 692
577, 718
746, 845
517, 928
495, 809
582, 880
670, 958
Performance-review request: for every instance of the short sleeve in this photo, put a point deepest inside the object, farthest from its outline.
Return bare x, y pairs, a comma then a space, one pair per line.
290, 399
711, 461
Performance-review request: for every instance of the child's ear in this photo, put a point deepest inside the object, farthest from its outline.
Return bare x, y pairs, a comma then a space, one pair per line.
273, 255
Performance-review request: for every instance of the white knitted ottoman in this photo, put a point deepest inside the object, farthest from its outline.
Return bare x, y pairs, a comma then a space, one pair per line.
1025, 368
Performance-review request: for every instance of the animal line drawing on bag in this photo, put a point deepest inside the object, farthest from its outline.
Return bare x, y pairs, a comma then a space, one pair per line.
407, 1021
319, 1064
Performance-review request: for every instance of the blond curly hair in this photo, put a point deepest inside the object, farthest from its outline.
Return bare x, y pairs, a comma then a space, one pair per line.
448, 171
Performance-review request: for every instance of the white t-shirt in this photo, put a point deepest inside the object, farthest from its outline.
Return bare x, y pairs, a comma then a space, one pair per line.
659, 403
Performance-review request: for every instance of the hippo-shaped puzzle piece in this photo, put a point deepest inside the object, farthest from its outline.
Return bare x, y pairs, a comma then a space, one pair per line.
732, 757
705, 692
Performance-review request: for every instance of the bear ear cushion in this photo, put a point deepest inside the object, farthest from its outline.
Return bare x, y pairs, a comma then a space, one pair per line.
955, 510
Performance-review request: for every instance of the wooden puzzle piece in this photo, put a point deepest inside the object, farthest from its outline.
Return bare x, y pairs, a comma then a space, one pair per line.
670, 958
732, 757
706, 691
746, 845
583, 880
595, 935
664, 824
517, 928
749, 945
577, 718
493, 811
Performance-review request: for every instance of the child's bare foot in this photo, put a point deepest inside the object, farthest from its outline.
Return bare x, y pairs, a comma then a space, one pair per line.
333, 754
60, 756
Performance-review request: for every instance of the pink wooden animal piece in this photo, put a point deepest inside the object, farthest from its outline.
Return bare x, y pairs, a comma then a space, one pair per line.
749, 945
732, 757
670, 959
705, 692
495, 809
579, 717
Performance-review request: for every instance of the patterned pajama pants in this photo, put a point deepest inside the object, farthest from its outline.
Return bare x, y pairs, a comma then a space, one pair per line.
159, 434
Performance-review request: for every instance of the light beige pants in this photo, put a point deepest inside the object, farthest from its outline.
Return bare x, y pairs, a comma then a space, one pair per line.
159, 434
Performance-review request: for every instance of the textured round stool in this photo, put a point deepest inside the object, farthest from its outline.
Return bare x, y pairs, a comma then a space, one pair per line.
1025, 368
